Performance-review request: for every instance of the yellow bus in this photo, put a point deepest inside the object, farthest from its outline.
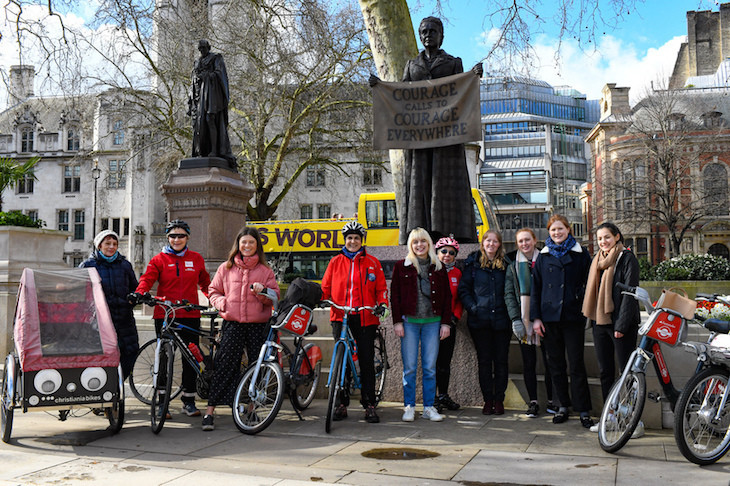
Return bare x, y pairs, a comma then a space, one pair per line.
304, 247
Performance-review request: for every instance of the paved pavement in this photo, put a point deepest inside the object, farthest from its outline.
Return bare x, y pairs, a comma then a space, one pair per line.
473, 450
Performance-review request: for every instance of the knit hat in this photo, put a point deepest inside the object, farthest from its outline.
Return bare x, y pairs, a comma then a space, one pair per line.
103, 234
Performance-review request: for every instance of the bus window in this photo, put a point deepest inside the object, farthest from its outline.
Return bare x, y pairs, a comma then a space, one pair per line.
381, 214
477, 215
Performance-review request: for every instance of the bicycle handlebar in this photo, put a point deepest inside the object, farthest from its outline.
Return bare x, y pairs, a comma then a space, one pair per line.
152, 301
348, 309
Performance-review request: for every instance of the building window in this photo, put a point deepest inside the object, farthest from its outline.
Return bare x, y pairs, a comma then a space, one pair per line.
32, 214
716, 189
630, 183
117, 179
372, 175
63, 220
306, 211
77, 260
126, 227
118, 132
71, 178
712, 119
26, 140
79, 223
73, 141
315, 176
25, 185
324, 211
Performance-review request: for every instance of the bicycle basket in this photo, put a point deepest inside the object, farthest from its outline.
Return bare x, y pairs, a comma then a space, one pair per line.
297, 321
666, 327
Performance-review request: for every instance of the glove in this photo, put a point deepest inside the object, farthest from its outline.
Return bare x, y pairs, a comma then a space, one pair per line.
518, 327
134, 298
381, 311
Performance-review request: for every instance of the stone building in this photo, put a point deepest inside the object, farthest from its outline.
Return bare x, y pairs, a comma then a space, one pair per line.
708, 44
535, 158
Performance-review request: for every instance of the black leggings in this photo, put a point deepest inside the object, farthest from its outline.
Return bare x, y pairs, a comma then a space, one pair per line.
365, 340
235, 337
443, 362
529, 370
492, 347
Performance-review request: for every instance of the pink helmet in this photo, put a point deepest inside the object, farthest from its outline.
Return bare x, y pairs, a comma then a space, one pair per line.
447, 241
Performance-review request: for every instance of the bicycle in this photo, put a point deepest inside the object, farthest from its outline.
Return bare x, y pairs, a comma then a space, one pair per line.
625, 403
702, 414
140, 379
260, 392
343, 368
163, 365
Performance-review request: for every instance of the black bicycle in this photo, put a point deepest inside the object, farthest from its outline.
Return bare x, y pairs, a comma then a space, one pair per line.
162, 371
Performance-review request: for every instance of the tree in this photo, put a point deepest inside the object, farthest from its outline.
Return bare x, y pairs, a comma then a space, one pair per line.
11, 172
668, 169
297, 72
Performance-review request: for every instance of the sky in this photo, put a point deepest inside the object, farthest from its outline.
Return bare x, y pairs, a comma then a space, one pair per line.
641, 49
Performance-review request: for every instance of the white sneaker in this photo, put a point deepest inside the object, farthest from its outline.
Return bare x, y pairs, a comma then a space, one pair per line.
409, 412
638, 431
430, 413
594, 428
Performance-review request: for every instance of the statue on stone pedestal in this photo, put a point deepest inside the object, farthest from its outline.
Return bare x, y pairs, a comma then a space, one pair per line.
436, 187
208, 106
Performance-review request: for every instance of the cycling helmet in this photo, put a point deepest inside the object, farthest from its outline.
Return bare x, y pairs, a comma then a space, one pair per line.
448, 241
353, 228
178, 223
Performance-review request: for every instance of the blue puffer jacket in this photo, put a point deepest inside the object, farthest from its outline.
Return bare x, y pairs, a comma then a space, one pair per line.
481, 291
118, 280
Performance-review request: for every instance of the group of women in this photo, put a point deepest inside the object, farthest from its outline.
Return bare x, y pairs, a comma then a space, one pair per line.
543, 297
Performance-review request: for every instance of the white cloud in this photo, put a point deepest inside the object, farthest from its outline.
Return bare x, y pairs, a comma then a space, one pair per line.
614, 61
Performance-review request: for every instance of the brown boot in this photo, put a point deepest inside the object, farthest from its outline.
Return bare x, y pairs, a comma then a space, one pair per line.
498, 408
488, 408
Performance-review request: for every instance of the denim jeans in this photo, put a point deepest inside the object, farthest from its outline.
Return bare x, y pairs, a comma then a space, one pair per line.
428, 337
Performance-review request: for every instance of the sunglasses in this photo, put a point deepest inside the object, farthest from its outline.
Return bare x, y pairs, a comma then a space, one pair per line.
444, 251
176, 236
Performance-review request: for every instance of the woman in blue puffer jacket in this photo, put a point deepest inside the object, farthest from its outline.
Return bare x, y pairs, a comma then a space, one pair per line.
117, 280
481, 291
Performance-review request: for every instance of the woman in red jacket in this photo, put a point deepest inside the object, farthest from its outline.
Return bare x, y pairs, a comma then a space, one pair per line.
421, 300
179, 273
355, 279
447, 248
235, 292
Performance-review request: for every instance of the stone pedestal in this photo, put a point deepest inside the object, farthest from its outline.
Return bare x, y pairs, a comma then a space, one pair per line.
212, 200
20, 248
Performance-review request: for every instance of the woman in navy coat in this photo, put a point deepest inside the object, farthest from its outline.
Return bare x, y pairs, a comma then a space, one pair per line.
117, 280
556, 300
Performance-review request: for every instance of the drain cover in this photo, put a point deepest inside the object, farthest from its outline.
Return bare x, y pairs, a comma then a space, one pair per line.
399, 454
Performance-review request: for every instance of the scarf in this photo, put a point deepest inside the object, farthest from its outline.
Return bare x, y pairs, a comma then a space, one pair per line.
598, 300
168, 249
247, 262
523, 269
106, 258
559, 250
351, 255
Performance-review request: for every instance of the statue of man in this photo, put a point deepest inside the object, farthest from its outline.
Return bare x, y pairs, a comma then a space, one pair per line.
208, 106
436, 187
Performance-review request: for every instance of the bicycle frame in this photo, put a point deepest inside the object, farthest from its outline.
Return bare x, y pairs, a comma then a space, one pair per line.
650, 350
348, 342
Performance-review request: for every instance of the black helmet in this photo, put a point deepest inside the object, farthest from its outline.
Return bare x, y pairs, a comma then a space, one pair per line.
353, 228
178, 223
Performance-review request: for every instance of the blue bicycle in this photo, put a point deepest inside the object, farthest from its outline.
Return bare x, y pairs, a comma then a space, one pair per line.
343, 368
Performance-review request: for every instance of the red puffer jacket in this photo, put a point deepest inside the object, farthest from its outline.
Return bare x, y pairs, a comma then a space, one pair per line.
179, 278
355, 283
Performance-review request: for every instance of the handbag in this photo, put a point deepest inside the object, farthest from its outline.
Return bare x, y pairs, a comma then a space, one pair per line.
678, 303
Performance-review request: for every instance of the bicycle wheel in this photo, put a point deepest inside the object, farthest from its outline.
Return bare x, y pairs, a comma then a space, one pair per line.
333, 400
701, 437
115, 413
252, 415
622, 411
381, 366
305, 384
140, 379
160, 400
10, 376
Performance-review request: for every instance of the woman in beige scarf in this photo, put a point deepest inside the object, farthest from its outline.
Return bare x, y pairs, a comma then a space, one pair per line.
615, 318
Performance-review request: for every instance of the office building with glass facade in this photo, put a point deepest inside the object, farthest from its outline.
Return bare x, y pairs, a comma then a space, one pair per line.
535, 158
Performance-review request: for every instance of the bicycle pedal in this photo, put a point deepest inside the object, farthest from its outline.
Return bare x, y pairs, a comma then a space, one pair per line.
654, 397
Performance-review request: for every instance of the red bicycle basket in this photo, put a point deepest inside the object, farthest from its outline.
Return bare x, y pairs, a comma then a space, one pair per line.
297, 321
667, 328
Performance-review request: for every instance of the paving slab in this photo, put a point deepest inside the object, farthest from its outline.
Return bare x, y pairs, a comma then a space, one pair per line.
84, 471
494, 467
634, 471
367, 479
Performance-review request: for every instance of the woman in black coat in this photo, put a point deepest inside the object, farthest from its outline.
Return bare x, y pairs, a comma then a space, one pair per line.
117, 280
556, 300
481, 291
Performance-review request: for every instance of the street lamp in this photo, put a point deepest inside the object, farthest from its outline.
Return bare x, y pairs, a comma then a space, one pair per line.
95, 174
